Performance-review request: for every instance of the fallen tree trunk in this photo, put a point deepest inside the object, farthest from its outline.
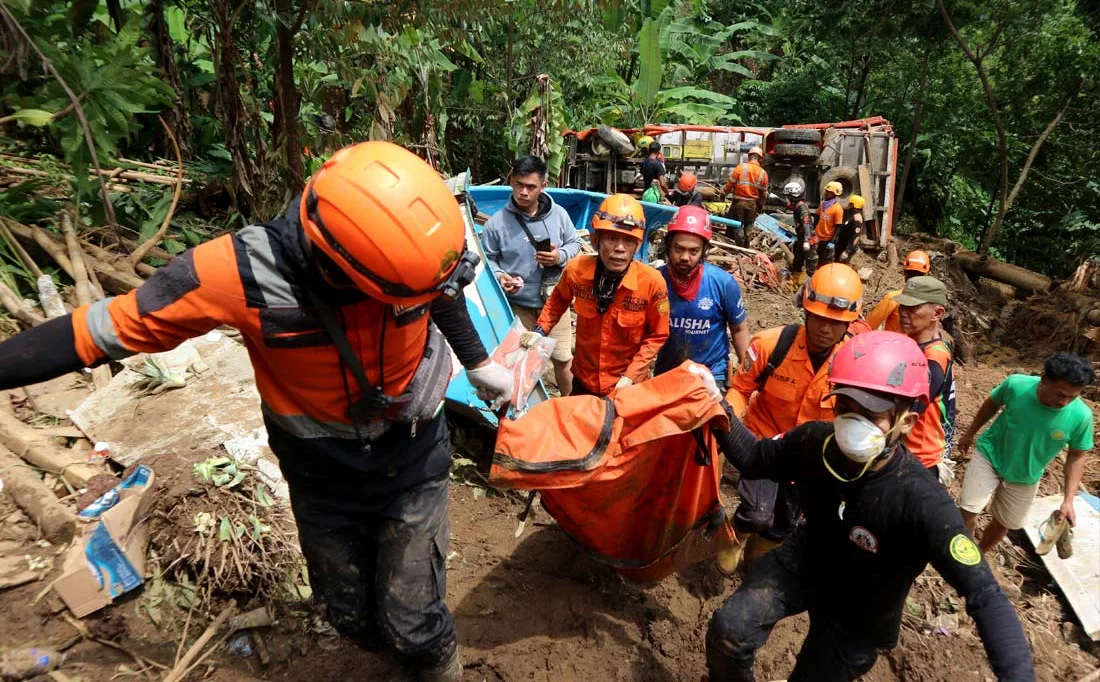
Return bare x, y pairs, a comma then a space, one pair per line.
1088, 306
37, 449
113, 279
54, 519
1013, 275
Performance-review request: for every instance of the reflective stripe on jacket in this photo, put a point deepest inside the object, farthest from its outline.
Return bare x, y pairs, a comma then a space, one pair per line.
253, 280
748, 181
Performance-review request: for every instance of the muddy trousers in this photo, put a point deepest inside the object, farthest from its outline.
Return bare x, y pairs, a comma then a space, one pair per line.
776, 587
745, 212
767, 508
372, 523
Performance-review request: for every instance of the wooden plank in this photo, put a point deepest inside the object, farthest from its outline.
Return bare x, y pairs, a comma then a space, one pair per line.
1078, 576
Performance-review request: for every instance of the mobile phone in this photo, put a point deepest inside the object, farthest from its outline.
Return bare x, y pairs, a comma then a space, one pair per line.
544, 245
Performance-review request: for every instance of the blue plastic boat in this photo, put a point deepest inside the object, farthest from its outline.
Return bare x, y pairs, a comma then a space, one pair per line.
484, 297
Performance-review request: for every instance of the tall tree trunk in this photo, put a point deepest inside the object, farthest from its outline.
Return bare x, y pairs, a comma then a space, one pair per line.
231, 109
177, 118
918, 110
861, 89
286, 128
114, 10
978, 61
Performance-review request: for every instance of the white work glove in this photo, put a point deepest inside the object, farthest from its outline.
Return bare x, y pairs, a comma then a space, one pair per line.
945, 470
528, 339
708, 381
492, 381
805, 246
623, 382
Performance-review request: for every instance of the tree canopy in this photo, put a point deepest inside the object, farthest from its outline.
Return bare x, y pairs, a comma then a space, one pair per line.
995, 104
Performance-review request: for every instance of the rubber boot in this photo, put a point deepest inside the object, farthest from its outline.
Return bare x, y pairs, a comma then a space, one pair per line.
757, 547
730, 559
447, 670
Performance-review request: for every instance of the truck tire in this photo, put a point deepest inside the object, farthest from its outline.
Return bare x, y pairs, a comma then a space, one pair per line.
599, 147
797, 135
615, 139
847, 177
797, 151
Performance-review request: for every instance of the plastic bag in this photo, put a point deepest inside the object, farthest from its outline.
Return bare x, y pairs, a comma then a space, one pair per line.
526, 364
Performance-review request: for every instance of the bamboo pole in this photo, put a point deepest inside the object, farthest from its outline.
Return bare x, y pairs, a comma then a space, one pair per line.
14, 305
85, 292
37, 449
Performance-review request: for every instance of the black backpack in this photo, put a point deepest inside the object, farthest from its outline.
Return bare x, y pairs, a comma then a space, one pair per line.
779, 353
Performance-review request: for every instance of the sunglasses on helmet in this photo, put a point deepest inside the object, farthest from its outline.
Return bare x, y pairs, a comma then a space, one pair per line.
621, 222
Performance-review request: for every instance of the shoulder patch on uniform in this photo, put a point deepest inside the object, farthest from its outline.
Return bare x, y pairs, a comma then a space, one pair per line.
864, 539
168, 285
964, 551
662, 307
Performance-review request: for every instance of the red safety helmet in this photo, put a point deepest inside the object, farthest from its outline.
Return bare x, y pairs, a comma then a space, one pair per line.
687, 181
692, 220
918, 261
875, 367
620, 213
389, 222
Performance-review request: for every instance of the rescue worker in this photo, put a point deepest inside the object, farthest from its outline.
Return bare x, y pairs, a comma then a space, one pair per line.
787, 370
621, 304
527, 243
848, 234
830, 215
706, 309
874, 520
686, 192
885, 314
921, 307
333, 301
804, 255
749, 185
653, 171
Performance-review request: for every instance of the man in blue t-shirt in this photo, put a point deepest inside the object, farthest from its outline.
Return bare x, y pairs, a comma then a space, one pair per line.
705, 301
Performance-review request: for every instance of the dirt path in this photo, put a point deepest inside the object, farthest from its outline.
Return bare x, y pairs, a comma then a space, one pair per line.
537, 608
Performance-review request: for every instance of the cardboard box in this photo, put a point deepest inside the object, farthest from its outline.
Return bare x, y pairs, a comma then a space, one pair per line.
108, 560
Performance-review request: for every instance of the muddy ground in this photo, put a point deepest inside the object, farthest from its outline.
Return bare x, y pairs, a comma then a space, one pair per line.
537, 608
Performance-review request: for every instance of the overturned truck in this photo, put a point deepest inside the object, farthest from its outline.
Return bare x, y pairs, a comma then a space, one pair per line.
861, 155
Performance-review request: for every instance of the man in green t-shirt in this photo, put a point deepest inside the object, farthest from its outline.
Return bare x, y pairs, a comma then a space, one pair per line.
1042, 415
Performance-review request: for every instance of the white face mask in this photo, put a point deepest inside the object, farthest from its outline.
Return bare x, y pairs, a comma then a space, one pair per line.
858, 437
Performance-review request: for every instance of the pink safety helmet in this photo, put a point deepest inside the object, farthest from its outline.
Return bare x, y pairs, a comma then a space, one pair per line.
875, 367
692, 220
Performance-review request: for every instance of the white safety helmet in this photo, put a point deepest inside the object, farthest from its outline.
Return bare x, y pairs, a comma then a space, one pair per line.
792, 189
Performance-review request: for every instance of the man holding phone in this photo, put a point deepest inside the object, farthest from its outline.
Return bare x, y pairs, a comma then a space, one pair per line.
527, 244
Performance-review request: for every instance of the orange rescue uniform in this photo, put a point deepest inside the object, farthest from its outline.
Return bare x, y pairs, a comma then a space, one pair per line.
885, 315
928, 439
748, 181
235, 280
828, 220
624, 340
794, 394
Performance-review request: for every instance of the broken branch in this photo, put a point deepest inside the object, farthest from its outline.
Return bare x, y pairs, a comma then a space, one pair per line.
12, 303
183, 666
37, 449
54, 519
140, 252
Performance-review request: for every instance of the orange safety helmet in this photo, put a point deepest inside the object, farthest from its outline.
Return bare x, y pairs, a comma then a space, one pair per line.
389, 222
918, 261
687, 181
834, 292
620, 213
